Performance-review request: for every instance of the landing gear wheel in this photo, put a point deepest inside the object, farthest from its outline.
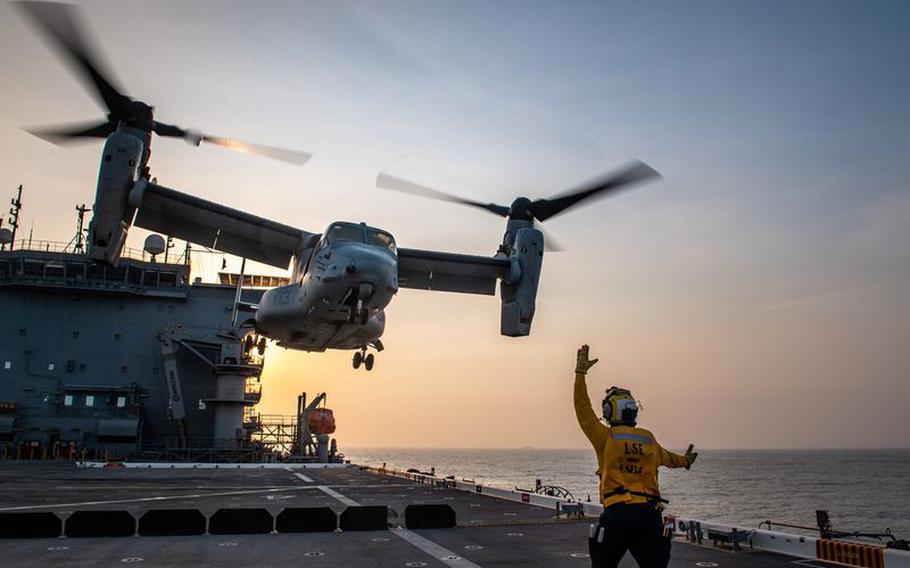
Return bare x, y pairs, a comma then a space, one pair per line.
260, 347
368, 362
358, 359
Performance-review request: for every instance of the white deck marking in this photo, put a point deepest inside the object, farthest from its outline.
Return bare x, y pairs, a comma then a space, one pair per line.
441, 553
302, 477
437, 551
332, 493
173, 497
158, 498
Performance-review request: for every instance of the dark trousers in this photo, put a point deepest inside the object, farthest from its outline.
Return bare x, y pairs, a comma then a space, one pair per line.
636, 528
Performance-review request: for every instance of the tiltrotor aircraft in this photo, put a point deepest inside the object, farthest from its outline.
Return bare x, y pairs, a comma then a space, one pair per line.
341, 279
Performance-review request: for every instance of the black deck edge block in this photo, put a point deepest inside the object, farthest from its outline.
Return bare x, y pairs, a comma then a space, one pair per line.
100, 523
429, 516
306, 519
30, 525
365, 518
172, 522
241, 521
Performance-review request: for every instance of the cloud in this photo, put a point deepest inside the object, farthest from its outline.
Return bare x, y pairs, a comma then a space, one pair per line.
817, 298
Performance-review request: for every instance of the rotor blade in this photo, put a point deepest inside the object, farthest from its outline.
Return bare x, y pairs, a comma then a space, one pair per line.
549, 243
386, 181
282, 154
636, 172
72, 133
61, 24
172, 131
195, 138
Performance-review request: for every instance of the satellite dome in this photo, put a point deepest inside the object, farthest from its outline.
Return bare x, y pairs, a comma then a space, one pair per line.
154, 244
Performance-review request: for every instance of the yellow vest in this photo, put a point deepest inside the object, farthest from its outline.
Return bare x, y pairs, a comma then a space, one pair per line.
627, 457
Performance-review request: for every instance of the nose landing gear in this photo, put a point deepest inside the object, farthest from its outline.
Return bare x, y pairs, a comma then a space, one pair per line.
363, 358
359, 312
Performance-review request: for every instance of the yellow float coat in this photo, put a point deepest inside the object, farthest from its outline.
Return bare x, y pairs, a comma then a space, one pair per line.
627, 457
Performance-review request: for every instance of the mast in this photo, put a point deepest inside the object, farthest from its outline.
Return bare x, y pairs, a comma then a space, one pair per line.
14, 215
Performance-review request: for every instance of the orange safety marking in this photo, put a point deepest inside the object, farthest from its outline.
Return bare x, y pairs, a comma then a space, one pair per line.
862, 555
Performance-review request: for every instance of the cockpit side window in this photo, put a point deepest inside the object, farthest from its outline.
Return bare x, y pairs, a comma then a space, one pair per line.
381, 239
338, 233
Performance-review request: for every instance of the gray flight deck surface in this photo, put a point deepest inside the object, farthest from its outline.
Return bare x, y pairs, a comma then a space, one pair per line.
505, 533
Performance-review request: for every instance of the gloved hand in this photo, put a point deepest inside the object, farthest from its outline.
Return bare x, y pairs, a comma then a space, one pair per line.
690, 456
582, 363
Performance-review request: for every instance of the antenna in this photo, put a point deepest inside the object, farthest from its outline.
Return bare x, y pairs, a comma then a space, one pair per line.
78, 241
168, 245
236, 310
14, 216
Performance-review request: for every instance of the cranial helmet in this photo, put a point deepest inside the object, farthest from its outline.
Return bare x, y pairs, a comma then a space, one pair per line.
620, 407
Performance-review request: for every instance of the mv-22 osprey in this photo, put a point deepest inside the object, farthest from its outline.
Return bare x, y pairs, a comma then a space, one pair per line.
342, 279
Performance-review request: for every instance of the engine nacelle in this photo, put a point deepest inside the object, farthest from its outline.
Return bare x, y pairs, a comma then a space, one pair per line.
518, 297
112, 213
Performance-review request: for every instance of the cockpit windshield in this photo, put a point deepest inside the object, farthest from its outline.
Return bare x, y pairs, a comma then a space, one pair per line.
338, 233
381, 239
360, 234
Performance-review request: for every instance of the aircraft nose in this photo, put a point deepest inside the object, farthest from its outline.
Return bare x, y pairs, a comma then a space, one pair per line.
376, 267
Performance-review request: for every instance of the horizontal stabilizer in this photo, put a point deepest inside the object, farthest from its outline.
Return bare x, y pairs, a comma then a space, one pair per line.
209, 224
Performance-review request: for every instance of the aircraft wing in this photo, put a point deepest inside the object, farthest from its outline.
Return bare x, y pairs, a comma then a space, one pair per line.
449, 272
209, 224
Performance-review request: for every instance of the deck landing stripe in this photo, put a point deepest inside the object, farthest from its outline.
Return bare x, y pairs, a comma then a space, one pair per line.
443, 554
437, 551
332, 493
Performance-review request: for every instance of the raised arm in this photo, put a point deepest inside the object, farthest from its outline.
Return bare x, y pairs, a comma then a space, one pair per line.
669, 459
593, 428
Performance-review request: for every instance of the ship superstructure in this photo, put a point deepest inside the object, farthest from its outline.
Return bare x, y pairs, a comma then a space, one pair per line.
124, 361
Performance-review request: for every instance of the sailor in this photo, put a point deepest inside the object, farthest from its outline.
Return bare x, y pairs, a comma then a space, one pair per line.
627, 462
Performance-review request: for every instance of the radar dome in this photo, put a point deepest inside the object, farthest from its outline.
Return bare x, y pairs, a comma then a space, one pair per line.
154, 245
6, 236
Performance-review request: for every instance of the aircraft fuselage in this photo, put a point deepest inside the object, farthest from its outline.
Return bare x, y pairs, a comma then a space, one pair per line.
338, 298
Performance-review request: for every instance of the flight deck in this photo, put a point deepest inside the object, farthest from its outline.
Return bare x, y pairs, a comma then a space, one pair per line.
488, 531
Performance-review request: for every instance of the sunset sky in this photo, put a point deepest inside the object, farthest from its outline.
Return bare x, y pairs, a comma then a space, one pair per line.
757, 297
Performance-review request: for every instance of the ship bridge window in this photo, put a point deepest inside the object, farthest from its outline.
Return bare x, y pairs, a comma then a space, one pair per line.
54, 270
167, 280
134, 276
121, 401
381, 239
7, 365
67, 400
75, 270
89, 400
51, 367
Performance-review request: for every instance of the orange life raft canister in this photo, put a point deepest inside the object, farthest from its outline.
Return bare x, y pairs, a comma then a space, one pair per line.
322, 421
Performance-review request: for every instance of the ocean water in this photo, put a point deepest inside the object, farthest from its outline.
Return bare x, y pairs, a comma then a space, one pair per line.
867, 490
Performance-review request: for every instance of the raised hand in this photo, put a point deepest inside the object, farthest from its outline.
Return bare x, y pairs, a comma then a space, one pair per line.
582, 363
690, 456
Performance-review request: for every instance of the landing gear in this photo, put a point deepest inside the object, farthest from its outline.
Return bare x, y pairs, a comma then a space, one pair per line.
250, 343
359, 314
363, 358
